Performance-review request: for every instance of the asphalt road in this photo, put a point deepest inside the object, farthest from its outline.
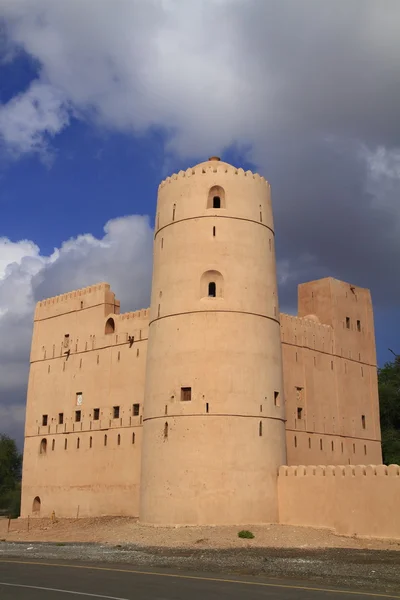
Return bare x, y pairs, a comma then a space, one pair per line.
34, 580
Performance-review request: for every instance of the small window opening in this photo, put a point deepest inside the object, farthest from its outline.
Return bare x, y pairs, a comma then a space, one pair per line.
213, 231
44, 420
53, 444
165, 431
162, 243
173, 212
119, 355
115, 412
216, 202
212, 289
299, 412
96, 414
309, 442
90, 442
43, 446
136, 409
363, 421
65, 444
295, 441
342, 448
365, 450
186, 394
358, 325
260, 407
362, 372
207, 407
320, 444
332, 365
166, 409
276, 399
347, 322
81, 303
105, 439
119, 440
110, 326
260, 215
66, 340
60, 418
332, 446
137, 352
78, 416
36, 505
48, 369
260, 428
354, 448
78, 443
133, 438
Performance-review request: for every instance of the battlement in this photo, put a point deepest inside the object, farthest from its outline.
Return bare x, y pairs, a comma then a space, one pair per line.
309, 322
82, 298
143, 313
340, 471
213, 167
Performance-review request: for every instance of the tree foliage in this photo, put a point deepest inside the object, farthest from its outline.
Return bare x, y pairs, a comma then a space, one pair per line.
389, 400
10, 475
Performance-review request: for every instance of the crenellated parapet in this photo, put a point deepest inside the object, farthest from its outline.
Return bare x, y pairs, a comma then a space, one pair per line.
83, 298
213, 167
143, 313
306, 332
339, 471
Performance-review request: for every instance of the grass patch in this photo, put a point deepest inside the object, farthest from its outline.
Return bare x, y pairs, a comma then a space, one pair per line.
249, 535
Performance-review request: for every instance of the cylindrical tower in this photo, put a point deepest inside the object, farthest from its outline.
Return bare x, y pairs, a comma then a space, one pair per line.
213, 428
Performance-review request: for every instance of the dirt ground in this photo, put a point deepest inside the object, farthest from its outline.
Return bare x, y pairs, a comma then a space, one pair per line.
121, 530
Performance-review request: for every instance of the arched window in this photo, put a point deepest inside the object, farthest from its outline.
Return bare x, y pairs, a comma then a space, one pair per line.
212, 285
43, 446
216, 197
36, 505
110, 325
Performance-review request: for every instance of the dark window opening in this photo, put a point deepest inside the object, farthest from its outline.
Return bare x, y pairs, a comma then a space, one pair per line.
119, 440
78, 443
276, 399
216, 202
365, 450
96, 414
354, 448
186, 394
173, 212
347, 322
110, 325
90, 442
81, 303
260, 428
65, 444
78, 415
363, 421
320, 444
115, 412
136, 408
299, 412
36, 505
53, 444
105, 439
295, 441
60, 418
133, 438
165, 431
44, 420
212, 289
43, 446
213, 231
358, 325
166, 409
207, 407
309, 442
342, 448
332, 446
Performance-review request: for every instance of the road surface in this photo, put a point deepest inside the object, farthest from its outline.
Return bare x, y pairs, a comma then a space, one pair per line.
34, 580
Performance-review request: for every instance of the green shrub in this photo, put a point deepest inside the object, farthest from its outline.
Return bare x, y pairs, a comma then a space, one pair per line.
246, 534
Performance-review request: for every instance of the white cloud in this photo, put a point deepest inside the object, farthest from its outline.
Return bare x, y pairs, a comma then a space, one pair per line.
122, 257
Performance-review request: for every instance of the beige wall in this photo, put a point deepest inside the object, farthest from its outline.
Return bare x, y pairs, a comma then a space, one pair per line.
362, 500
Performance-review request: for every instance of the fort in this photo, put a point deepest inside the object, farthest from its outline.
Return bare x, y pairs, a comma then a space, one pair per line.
211, 406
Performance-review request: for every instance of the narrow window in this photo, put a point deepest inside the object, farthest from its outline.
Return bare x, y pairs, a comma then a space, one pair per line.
206, 407
354, 448
96, 414
212, 289
320, 444
260, 407
119, 355
347, 322
53, 444
158, 311
216, 202
36, 505
332, 365
65, 444
78, 443
362, 372
260, 428
365, 450
309, 442
162, 243
358, 325
98, 359
81, 303
66, 340
213, 231
276, 399
332, 446
79, 398
105, 439
342, 448
186, 394
299, 412
133, 438
260, 214
295, 441
119, 440
48, 369
115, 412
78, 415
90, 442
60, 418
44, 420
173, 212
43, 446
137, 352
296, 356
363, 421
166, 409
165, 431
136, 408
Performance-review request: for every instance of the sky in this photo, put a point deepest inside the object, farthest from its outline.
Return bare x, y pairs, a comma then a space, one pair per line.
102, 99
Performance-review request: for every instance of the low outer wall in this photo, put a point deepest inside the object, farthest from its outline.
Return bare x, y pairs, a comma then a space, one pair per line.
362, 500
